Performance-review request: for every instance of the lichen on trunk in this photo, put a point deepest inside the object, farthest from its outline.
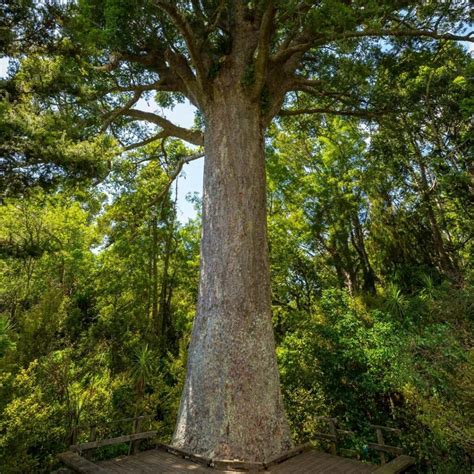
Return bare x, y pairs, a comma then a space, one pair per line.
231, 406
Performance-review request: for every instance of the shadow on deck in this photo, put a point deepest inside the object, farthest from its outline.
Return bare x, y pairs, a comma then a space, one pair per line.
303, 461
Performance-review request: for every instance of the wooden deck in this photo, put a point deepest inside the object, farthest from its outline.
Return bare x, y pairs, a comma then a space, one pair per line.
312, 462
158, 460
168, 459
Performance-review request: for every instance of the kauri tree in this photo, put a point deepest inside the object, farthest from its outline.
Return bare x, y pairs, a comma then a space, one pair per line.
241, 63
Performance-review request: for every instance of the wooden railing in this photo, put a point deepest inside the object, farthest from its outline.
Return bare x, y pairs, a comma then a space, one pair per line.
336, 434
78, 456
380, 445
134, 438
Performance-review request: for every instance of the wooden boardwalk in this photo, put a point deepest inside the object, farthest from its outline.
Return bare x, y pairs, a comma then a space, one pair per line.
168, 459
312, 462
160, 461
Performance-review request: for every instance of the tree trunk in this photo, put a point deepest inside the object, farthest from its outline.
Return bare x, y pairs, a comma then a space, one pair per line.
231, 406
445, 263
357, 237
154, 274
166, 287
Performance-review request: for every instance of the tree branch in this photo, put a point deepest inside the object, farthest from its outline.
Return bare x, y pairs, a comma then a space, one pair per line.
215, 20
186, 30
154, 61
148, 140
293, 38
185, 73
179, 166
305, 41
368, 114
161, 85
169, 128
298, 80
300, 46
113, 63
413, 33
113, 115
263, 48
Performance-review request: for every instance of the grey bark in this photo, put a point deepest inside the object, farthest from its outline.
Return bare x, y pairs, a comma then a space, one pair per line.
231, 406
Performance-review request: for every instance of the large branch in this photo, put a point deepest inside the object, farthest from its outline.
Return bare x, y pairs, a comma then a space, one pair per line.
153, 60
189, 37
298, 46
215, 19
169, 128
263, 49
157, 61
306, 41
182, 69
367, 114
314, 91
161, 85
408, 33
304, 81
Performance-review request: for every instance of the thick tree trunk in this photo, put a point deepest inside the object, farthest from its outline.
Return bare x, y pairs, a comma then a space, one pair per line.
231, 406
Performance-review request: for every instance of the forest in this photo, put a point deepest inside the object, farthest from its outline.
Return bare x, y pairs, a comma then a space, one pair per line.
368, 199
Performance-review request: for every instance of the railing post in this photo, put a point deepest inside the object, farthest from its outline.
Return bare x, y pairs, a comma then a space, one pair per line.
137, 425
380, 440
74, 433
381, 446
92, 437
333, 431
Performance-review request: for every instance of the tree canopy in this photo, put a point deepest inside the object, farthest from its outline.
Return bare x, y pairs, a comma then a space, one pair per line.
86, 65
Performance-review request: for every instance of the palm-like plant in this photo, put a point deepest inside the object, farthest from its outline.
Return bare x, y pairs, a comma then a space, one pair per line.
428, 291
141, 371
396, 302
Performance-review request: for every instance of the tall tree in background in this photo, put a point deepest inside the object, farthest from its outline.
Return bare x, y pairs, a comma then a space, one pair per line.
241, 64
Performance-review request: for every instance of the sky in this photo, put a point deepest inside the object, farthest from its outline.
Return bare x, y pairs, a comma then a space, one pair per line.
190, 179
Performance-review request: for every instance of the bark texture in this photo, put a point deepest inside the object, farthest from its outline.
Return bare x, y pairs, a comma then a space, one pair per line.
231, 406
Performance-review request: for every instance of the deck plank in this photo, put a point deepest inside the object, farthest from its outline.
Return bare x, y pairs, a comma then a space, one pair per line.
308, 462
312, 461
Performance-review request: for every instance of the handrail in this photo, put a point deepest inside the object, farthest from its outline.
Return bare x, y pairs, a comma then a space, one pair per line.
111, 441
134, 439
381, 446
121, 420
335, 434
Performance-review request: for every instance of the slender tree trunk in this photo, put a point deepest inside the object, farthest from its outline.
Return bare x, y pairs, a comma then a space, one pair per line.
350, 275
154, 276
232, 406
357, 236
164, 300
446, 265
